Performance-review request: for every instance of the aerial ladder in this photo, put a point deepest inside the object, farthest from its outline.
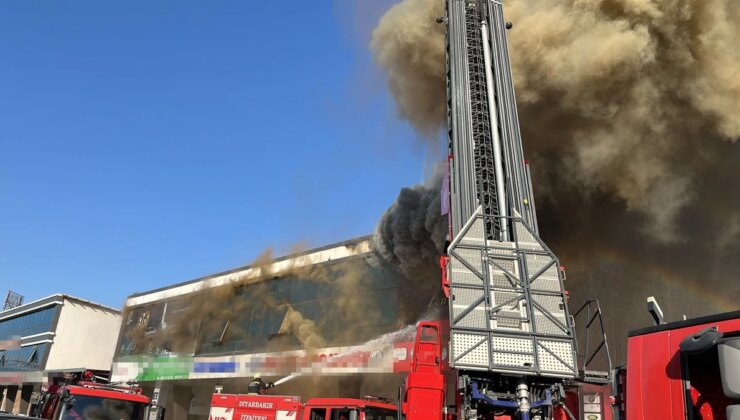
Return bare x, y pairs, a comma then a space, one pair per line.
511, 339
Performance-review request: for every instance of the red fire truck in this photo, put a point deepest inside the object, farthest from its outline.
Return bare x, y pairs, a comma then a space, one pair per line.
86, 396
511, 346
686, 370
682, 370
269, 407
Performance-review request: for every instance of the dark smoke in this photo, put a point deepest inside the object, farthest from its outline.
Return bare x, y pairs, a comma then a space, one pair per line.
411, 233
410, 238
629, 113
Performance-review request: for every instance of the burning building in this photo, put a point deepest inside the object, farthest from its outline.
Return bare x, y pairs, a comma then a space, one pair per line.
338, 311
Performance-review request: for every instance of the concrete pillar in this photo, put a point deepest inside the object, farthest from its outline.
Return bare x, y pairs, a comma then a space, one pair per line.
11, 392
163, 395
160, 394
179, 403
24, 399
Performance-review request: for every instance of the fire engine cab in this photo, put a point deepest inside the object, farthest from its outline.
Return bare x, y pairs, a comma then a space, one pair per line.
270, 407
86, 395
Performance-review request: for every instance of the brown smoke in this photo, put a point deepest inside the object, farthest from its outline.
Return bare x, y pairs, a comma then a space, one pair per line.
629, 112
622, 93
210, 312
303, 329
405, 45
352, 305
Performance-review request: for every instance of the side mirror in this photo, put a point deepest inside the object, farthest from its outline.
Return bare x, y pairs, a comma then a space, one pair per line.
67, 398
700, 341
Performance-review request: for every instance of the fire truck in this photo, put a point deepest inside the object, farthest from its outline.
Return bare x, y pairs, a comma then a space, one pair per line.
687, 369
87, 395
512, 342
269, 407
508, 349
513, 351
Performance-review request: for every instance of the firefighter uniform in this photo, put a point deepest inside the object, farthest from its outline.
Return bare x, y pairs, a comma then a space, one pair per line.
257, 386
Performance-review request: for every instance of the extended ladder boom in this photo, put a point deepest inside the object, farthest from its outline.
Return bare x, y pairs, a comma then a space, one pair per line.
508, 312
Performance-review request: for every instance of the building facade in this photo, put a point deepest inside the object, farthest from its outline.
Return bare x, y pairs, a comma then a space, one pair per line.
334, 311
40, 339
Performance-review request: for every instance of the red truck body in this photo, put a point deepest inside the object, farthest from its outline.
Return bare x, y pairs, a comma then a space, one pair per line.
659, 381
662, 383
85, 399
424, 390
276, 407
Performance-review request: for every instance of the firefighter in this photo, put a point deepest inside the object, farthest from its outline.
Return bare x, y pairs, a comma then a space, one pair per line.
258, 386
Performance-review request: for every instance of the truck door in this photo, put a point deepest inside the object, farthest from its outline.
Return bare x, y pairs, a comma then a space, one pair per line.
47, 406
702, 377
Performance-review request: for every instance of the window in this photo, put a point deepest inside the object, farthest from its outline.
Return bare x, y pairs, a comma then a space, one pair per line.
344, 414
23, 358
429, 334
223, 332
256, 326
87, 407
318, 414
28, 324
32, 357
702, 384
376, 413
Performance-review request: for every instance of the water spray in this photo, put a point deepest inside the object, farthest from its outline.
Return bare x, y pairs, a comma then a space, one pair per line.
384, 339
287, 378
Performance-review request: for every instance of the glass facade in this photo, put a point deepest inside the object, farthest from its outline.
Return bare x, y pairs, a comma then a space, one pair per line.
28, 324
340, 303
27, 358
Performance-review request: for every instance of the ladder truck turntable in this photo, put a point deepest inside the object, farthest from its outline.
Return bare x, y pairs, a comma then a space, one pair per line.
509, 349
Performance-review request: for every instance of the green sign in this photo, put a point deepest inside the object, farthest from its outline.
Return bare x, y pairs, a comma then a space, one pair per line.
164, 368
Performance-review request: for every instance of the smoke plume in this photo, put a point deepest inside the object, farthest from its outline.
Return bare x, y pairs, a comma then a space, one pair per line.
303, 329
210, 314
411, 233
629, 112
408, 46
409, 239
624, 94
352, 292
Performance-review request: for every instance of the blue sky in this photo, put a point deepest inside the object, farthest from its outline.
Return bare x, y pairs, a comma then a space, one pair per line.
148, 143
